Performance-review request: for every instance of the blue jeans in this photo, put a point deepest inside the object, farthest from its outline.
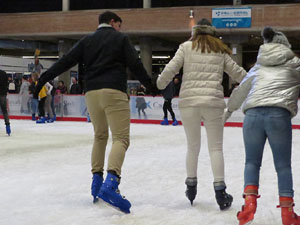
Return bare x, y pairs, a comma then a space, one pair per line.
273, 123
34, 105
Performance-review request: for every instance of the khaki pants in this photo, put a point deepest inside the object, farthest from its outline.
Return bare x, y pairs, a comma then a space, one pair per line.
213, 123
109, 108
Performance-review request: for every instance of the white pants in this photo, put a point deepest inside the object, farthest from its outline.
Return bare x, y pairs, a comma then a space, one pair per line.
213, 122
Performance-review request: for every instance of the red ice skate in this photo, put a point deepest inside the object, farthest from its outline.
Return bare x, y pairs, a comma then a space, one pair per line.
249, 208
289, 217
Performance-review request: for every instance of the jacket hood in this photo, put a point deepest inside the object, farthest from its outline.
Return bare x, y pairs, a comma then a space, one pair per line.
203, 29
272, 54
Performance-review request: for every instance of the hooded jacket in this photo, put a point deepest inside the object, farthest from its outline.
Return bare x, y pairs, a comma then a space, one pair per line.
273, 81
202, 76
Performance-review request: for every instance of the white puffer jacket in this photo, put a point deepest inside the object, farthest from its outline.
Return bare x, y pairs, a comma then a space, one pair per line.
202, 76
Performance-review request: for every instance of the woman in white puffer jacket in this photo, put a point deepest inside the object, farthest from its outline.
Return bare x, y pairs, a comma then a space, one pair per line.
204, 59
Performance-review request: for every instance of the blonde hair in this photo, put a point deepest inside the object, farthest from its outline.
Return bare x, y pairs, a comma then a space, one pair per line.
209, 44
35, 76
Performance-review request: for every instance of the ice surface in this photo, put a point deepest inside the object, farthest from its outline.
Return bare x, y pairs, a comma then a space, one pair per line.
45, 178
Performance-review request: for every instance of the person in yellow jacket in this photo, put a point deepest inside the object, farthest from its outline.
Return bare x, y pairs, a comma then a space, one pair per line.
41, 106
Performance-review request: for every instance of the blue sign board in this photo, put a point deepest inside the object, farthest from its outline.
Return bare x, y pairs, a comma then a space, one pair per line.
231, 17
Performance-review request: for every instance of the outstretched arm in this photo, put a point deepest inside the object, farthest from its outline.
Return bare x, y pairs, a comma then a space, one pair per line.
171, 69
235, 71
135, 65
66, 62
240, 93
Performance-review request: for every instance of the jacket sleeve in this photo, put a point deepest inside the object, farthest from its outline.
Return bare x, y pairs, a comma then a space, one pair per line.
240, 93
295, 63
66, 62
134, 63
49, 88
171, 69
236, 72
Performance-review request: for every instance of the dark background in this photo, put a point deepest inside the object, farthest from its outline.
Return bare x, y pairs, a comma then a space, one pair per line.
11, 6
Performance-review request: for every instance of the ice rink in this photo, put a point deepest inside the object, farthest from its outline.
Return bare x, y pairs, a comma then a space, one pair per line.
45, 178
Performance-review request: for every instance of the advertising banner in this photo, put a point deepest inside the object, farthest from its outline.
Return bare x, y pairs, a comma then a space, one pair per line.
231, 17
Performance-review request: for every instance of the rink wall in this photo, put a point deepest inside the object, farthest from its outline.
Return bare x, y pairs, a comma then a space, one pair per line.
73, 108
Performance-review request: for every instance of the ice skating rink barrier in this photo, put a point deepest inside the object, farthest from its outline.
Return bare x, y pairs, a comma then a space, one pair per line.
73, 108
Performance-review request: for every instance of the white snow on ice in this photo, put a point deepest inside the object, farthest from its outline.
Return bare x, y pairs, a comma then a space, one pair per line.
45, 178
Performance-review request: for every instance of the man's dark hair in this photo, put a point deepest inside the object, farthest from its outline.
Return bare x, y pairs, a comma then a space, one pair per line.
107, 16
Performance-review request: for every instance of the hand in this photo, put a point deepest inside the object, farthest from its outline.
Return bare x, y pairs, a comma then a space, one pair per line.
154, 91
226, 115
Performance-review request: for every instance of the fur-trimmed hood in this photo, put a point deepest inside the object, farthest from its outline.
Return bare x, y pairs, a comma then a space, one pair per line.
204, 29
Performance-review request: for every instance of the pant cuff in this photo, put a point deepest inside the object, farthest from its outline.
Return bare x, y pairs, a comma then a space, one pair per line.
219, 185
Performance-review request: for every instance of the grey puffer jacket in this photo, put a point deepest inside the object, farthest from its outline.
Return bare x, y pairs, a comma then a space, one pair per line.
273, 81
202, 76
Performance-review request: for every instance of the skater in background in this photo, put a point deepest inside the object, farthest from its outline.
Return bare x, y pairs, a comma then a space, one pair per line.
24, 94
11, 85
37, 67
168, 94
75, 87
3, 101
34, 101
48, 109
106, 53
61, 88
141, 104
204, 58
270, 95
42, 96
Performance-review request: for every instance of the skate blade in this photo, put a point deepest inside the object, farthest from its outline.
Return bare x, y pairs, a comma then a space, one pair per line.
114, 207
225, 207
95, 200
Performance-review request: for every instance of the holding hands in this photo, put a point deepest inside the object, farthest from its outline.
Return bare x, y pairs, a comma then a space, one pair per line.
226, 115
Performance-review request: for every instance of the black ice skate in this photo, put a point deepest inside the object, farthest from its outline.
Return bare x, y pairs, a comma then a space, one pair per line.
224, 199
191, 188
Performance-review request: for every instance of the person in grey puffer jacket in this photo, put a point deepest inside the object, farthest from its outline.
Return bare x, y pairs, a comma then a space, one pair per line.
204, 59
270, 94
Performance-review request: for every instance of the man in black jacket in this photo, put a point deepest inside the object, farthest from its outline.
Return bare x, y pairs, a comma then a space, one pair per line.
75, 88
3, 102
105, 55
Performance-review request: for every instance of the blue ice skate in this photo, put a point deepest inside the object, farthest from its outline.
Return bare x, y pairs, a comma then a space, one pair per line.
41, 120
88, 118
96, 185
165, 122
50, 120
175, 122
8, 131
110, 193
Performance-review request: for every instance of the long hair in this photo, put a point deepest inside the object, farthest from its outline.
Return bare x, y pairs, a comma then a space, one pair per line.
208, 43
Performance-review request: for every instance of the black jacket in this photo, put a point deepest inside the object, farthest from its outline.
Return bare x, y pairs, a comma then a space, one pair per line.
3, 83
75, 89
105, 55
